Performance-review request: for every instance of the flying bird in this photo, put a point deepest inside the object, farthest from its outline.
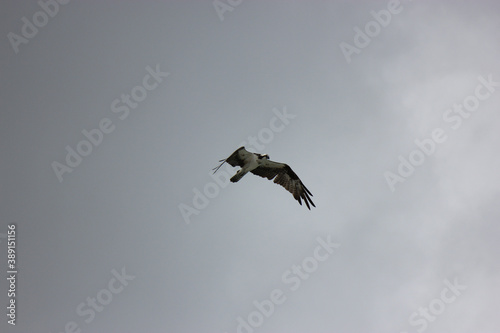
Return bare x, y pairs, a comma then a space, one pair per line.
261, 165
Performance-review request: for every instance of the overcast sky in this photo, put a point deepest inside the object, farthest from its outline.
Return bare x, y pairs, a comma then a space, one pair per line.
113, 114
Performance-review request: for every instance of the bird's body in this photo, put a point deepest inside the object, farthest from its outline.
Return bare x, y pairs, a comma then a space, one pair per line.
260, 165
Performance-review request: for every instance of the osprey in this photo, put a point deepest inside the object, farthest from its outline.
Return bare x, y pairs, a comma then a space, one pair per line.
260, 165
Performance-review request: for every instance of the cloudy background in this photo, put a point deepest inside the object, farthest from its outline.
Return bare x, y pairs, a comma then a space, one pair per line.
350, 120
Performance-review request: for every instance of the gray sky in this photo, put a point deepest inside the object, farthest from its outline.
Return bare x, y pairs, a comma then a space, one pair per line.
155, 93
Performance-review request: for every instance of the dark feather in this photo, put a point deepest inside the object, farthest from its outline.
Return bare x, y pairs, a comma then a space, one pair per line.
286, 177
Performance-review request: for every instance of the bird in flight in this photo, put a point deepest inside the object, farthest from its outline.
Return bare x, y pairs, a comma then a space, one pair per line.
261, 165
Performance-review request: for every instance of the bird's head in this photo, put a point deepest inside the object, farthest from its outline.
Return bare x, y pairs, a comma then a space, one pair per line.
264, 156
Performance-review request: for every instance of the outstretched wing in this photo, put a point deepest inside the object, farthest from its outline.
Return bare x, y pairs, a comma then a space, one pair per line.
286, 178
235, 159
